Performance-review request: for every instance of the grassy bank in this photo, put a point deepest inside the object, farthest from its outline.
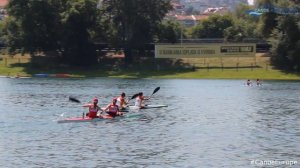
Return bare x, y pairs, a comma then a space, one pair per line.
214, 68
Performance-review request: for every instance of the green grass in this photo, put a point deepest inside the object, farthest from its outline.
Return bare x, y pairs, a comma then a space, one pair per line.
233, 74
9, 71
248, 68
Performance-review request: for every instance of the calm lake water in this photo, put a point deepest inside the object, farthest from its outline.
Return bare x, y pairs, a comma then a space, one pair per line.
208, 123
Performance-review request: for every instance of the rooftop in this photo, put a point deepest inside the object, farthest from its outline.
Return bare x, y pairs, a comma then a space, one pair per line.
191, 17
3, 3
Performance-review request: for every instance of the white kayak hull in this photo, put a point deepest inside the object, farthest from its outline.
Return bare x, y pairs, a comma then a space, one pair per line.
149, 106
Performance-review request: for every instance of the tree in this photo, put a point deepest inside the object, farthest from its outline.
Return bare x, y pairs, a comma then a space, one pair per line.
266, 24
135, 21
49, 25
235, 33
169, 32
79, 19
2, 35
245, 25
242, 12
268, 20
284, 36
285, 41
213, 27
32, 25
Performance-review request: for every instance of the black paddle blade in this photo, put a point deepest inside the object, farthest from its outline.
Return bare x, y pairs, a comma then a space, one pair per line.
134, 96
155, 90
73, 99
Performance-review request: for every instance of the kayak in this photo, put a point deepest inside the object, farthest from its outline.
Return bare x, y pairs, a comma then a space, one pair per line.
15, 77
121, 110
41, 75
62, 75
19, 77
88, 119
148, 106
84, 119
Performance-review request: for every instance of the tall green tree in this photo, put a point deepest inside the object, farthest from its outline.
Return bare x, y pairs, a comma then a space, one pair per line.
169, 32
2, 36
285, 38
267, 21
245, 25
49, 25
285, 41
32, 25
213, 27
79, 20
135, 21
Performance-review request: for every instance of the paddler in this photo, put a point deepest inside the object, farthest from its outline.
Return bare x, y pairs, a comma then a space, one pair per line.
139, 100
258, 82
113, 109
93, 108
249, 83
122, 101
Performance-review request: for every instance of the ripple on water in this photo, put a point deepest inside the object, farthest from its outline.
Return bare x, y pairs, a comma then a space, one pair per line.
208, 123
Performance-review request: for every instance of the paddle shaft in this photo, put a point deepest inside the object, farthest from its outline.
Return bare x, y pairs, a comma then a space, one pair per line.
155, 90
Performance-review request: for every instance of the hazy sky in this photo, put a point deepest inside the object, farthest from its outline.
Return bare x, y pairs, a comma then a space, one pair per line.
250, 2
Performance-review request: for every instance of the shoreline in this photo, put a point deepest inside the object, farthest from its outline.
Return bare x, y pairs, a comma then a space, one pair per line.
212, 74
230, 68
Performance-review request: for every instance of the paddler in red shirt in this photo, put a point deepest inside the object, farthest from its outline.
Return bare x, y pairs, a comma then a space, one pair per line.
113, 109
122, 101
93, 108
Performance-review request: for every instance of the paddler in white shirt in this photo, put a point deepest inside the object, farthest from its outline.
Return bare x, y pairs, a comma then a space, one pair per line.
122, 101
139, 101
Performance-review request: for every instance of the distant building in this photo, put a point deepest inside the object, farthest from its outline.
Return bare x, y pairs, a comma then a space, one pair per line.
190, 20
3, 12
177, 6
3, 3
202, 5
179, 15
217, 10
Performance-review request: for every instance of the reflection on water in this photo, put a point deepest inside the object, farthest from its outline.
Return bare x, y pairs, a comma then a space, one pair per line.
208, 123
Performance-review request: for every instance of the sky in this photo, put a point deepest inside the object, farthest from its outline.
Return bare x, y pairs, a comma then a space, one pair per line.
250, 2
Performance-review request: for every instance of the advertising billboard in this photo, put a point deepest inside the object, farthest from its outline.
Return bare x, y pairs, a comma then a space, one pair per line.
207, 50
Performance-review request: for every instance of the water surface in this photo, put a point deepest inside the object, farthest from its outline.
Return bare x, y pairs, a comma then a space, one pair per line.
208, 123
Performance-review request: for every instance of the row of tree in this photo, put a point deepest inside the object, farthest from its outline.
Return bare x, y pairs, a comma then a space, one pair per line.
280, 27
74, 27
283, 32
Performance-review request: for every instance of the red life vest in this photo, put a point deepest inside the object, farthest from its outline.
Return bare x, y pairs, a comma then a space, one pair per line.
93, 111
113, 108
